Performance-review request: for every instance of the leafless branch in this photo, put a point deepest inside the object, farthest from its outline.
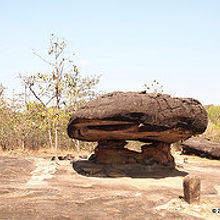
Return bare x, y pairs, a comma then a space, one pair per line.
46, 61
50, 100
36, 96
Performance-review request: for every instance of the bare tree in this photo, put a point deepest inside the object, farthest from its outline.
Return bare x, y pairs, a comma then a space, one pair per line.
61, 88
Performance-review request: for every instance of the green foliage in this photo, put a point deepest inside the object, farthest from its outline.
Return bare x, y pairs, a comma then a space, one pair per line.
2, 88
214, 115
213, 130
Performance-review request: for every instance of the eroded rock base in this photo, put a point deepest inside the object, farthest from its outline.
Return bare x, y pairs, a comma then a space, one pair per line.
111, 159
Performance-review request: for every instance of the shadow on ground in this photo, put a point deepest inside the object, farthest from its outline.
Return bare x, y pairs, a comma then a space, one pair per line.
88, 168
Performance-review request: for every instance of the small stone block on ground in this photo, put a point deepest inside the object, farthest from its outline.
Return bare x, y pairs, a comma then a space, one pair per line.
192, 188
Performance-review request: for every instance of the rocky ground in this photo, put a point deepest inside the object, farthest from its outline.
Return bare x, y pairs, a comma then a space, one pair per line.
38, 188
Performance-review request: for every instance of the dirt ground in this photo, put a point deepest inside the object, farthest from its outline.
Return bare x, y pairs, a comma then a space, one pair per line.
37, 188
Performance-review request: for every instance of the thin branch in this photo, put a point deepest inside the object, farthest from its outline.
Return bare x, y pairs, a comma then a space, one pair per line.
46, 61
36, 96
50, 100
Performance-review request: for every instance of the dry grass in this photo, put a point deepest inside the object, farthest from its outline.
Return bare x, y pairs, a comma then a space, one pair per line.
47, 152
212, 133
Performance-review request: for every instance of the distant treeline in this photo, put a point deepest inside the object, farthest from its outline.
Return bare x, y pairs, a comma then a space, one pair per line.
33, 126
213, 129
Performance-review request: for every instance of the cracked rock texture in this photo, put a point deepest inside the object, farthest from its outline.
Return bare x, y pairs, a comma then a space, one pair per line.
138, 116
156, 119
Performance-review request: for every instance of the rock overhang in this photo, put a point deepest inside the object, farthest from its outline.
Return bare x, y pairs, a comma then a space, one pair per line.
138, 116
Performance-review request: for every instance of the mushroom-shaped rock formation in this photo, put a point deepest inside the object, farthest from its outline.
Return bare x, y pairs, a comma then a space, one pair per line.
156, 119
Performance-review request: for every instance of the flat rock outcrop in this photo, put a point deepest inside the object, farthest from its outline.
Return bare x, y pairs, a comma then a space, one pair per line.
201, 147
155, 119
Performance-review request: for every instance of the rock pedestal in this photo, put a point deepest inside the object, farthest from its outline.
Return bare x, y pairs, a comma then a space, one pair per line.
113, 152
112, 159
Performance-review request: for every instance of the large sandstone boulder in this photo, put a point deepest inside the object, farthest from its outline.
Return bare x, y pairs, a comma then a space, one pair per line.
156, 119
138, 116
201, 147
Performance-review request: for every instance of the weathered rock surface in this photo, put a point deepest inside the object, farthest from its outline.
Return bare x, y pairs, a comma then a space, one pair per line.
67, 195
192, 189
156, 119
112, 159
138, 116
201, 147
136, 170
152, 154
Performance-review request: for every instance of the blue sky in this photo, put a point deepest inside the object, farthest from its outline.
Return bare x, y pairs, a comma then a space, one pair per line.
176, 42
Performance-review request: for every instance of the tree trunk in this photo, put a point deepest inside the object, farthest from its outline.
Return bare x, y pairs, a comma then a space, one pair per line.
50, 136
56, 138
23, 142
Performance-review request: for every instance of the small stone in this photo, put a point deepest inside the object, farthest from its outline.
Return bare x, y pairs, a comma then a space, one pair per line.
192, 188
